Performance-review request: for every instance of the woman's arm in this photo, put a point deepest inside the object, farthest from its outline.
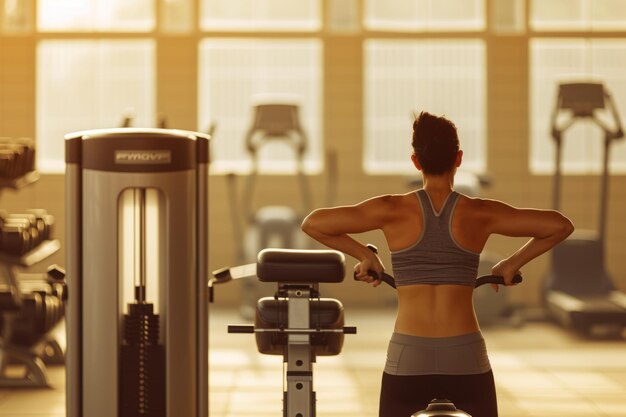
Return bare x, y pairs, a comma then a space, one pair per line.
547, 228
332, 226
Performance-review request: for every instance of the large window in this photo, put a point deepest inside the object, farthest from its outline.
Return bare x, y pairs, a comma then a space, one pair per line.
444, 77
92, 70
85, 79
405, 74
90, 84
585, 15
424, 15
584, 57
96, 15
235, 74
96, 63
264, 15
558, 60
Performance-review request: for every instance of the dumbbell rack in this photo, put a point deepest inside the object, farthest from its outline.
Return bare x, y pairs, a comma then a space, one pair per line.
11, 298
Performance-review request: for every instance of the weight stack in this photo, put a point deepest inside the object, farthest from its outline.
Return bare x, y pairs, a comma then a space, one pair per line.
142, 365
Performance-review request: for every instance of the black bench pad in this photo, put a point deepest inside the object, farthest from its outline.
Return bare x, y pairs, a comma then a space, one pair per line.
324, 313
300, 266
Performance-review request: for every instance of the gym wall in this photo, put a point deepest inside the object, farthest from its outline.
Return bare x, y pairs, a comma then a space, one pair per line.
507, 155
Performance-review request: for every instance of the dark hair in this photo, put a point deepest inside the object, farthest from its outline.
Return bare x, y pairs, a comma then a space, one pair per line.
435, 143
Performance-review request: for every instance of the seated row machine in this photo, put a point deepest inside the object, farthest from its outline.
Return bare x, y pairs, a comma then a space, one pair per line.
296, 323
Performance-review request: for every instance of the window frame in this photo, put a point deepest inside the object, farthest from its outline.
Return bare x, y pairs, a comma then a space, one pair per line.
585, 35
479, 166
326, 33
484, 35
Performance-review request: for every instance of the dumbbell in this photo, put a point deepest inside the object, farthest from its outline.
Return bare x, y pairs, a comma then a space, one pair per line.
44, 221
17, 157
28, 145
3, 215
37, 223
8, 164
29, 223
5, 160
51, 282
56, 279
15, 239
39, 314
17, 160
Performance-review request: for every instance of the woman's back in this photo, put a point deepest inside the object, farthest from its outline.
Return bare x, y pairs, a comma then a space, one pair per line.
443, 309
407, 226
435, 310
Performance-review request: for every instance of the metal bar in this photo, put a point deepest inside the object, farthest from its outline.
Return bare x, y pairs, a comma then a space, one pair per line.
202, 254
73, 221
299, 380
299, 331
604, 189
140, 242
556, 187
299, 366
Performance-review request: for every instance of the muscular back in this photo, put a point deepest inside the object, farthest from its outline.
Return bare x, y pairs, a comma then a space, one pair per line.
468, 223
435, 310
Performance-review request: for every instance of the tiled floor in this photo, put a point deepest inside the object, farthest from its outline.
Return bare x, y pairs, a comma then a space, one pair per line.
541, 370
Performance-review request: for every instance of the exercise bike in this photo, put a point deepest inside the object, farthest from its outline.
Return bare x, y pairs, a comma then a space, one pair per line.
300, 325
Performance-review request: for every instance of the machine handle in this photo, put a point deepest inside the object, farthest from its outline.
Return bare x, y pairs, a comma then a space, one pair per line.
496, 279
383, 276
251, 329
485, 279
240, 328
220, 276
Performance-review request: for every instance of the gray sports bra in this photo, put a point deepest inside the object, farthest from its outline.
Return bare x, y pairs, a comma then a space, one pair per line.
435, 258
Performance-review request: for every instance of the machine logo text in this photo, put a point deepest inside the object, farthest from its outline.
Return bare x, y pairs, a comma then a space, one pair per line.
143, 157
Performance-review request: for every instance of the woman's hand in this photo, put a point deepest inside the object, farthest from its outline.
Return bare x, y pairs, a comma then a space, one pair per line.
505, 269
369, 264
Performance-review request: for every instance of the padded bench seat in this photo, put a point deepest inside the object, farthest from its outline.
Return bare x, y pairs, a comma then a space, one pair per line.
324, 313
300, 266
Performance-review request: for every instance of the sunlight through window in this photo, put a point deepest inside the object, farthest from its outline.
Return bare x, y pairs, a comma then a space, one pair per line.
250, 15
96, 15
425, 15
557, 60
237, 73
444, 77
588, 15
90, 84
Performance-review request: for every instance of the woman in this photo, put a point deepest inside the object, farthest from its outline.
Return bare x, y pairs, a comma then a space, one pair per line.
435, 236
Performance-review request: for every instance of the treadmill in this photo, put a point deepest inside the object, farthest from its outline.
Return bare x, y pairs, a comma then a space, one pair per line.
578, 291
276, 119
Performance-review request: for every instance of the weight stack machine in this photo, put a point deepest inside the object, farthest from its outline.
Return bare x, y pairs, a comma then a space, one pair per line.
137, 319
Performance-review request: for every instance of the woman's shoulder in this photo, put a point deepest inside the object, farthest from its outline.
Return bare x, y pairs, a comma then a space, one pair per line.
393, 203
482, 207
395, 199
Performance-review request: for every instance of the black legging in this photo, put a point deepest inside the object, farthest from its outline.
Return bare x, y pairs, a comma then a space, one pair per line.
401, 396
